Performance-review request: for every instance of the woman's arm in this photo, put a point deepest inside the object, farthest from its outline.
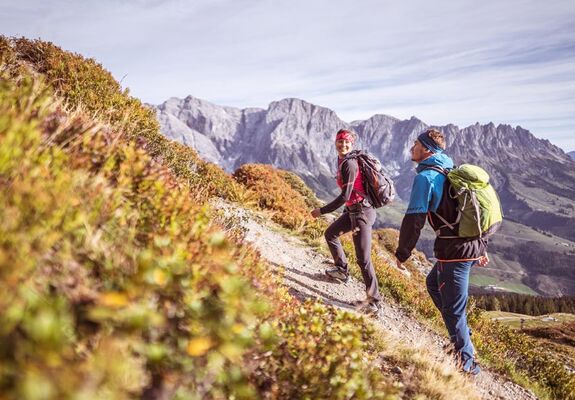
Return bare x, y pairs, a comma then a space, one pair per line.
349, 171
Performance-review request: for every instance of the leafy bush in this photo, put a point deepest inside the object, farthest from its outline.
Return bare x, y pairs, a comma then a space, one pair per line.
272, 190
521, 356
117, 285
84, 84
297, 184
114, 283
323, 345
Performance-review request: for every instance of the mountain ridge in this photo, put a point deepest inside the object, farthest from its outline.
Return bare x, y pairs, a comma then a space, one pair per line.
294, 126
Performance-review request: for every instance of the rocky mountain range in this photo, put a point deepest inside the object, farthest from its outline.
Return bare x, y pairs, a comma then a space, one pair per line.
572, 154
535, 179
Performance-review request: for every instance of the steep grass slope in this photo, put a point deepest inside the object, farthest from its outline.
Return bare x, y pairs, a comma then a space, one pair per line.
115, 283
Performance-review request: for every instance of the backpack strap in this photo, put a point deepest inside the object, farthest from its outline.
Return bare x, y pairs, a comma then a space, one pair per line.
475, 203
442, 171
354, 155
450, 225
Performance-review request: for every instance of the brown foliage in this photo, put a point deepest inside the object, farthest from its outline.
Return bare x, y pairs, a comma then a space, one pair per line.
272, 192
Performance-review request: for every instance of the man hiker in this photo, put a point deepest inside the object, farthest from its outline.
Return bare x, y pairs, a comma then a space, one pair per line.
358, 217
448, 281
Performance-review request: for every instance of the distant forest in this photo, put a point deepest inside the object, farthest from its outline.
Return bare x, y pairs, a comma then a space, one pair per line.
525, 304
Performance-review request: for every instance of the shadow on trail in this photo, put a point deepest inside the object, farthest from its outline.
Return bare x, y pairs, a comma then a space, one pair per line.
322, 295
319, 276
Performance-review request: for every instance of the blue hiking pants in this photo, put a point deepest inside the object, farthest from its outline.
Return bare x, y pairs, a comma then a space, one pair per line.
448, 284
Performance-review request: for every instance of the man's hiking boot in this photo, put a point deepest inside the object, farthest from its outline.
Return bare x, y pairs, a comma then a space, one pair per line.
472, 368
449, 349
368, 308
338, 274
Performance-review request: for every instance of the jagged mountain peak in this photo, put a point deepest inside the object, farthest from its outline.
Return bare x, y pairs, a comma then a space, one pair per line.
195, 103
292, 101
376, 120
295, 106
452, 127
297, 135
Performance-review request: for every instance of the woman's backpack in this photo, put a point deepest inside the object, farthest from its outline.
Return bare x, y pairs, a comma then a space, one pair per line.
378, 187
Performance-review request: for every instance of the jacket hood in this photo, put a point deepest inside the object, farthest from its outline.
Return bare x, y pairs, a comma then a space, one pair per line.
440, 160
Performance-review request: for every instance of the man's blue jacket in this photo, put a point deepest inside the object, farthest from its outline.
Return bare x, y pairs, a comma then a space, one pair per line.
428, 184
429, 198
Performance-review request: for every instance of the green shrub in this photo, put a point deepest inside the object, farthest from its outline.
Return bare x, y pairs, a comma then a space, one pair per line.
111, 273
115, 282
85, 85
521, 356
297, 184
324, 354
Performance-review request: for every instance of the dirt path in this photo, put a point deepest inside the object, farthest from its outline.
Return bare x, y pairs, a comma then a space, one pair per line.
303, 274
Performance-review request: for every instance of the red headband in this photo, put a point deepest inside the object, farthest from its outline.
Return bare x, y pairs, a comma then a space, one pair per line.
345, 135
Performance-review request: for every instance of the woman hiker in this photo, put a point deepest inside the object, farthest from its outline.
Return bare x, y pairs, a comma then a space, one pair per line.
358, 217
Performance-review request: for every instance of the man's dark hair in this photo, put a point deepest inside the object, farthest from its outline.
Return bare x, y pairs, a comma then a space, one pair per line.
437, 137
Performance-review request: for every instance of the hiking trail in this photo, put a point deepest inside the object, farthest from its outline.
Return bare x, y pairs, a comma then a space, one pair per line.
303, 274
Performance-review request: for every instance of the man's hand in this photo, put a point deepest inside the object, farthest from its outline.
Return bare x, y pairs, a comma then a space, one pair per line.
315, 213
483, 260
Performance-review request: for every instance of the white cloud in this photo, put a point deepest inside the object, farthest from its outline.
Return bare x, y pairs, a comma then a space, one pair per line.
460, 62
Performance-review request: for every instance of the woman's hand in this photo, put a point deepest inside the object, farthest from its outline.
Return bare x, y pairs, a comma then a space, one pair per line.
315, 213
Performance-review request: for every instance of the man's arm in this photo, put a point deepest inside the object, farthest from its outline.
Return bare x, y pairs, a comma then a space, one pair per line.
483, 260
414, 219
411, 227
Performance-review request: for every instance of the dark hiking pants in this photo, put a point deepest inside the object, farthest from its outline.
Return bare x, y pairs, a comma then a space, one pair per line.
448, 284
360, 219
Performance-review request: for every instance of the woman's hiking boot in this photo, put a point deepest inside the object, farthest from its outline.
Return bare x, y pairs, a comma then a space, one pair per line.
368, 307
337, 273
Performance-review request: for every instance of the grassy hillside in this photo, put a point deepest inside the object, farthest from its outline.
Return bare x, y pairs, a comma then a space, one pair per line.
117, 283
554, 332
515, 354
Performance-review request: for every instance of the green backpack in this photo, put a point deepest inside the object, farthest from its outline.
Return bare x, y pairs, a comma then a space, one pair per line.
479, 209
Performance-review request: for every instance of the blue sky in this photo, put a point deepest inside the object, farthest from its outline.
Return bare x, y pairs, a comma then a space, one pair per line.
444, 62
